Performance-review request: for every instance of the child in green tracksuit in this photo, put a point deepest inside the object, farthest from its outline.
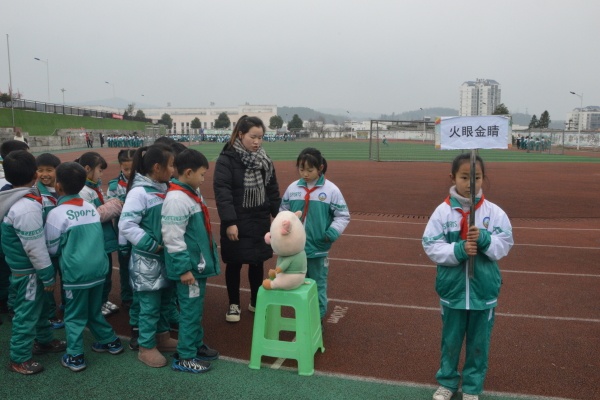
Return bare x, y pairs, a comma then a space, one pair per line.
191, 258
117, 188
32, 272
94, 165
467, 302
140, 225
324, 213
46, 169
73, 231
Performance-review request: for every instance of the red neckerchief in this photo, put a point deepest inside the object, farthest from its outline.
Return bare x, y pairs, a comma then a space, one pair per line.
173, 186
122, 181
77, 201
464, 222
48, 194
34, 197
307, 200
95, 187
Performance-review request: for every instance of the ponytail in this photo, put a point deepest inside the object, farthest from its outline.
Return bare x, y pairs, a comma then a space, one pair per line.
146, 157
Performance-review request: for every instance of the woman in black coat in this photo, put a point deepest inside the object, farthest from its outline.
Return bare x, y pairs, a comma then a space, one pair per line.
247, 196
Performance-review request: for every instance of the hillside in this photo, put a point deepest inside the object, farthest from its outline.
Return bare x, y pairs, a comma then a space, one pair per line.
306, 114
43, 124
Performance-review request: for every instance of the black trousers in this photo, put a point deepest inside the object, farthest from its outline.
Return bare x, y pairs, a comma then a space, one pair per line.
232, 278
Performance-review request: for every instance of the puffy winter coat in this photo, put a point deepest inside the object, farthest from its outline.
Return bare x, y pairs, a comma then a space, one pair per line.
140, 225
253, 223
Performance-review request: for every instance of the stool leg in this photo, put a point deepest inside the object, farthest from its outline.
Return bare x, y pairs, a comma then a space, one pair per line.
272, 328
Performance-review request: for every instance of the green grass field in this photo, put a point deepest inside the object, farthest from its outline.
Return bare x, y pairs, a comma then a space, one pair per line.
358, 150
42, 124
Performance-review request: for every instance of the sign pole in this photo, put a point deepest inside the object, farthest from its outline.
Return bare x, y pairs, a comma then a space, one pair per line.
473, 133
472, 210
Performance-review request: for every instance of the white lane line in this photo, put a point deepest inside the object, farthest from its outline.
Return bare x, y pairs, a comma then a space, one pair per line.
434, 266
516, 244
514, 226
437, 309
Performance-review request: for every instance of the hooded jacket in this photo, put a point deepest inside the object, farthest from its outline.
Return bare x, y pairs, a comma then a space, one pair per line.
110, 234
189, 246
443, 244
140, 225
327, 214
22, 234
73, 231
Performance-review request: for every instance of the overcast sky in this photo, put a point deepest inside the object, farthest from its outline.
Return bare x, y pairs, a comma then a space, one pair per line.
372, 56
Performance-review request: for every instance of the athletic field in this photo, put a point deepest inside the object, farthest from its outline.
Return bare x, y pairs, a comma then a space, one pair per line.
383, 327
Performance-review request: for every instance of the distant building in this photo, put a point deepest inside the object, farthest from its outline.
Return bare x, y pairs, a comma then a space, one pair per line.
182, 117
590, 119
480, 97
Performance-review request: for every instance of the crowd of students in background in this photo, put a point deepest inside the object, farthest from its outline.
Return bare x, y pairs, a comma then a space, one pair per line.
530, 144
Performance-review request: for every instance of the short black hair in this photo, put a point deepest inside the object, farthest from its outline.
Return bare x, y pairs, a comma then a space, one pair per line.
71, 176
12, 145
178, 147
47, 160
190, 158
165, 140
20, 168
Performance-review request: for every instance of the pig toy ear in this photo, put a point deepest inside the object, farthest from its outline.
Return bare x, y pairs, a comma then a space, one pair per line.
268, 238
298, 214
286, 227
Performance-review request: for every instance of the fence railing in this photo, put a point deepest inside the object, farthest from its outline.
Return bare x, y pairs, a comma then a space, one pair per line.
51, 108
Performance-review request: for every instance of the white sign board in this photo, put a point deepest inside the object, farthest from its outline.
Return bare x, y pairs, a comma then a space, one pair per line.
481, 132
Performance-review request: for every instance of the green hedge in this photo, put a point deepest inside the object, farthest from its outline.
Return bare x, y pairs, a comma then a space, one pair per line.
43, 124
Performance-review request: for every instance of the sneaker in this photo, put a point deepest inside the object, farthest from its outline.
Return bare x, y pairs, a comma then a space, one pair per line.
443, 394
192, 365
233, 315
55, 346
205, 353
29, 367
109, 308
115, 347
467, 396
57, 323
251, 308
105, 311
75, 363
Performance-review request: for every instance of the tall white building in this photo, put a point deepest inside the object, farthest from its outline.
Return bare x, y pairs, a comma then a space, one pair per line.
589, 116
480, 97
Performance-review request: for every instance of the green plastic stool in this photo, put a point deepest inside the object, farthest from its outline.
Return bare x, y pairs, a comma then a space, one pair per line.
268, 322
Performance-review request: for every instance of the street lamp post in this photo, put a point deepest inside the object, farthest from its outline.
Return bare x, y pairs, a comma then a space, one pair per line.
47, 74
423, 122
580, 117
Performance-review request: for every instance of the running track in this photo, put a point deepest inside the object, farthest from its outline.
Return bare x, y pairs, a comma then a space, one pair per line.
383, 313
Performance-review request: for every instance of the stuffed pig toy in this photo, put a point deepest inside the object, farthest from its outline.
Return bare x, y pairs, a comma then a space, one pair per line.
287, 238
